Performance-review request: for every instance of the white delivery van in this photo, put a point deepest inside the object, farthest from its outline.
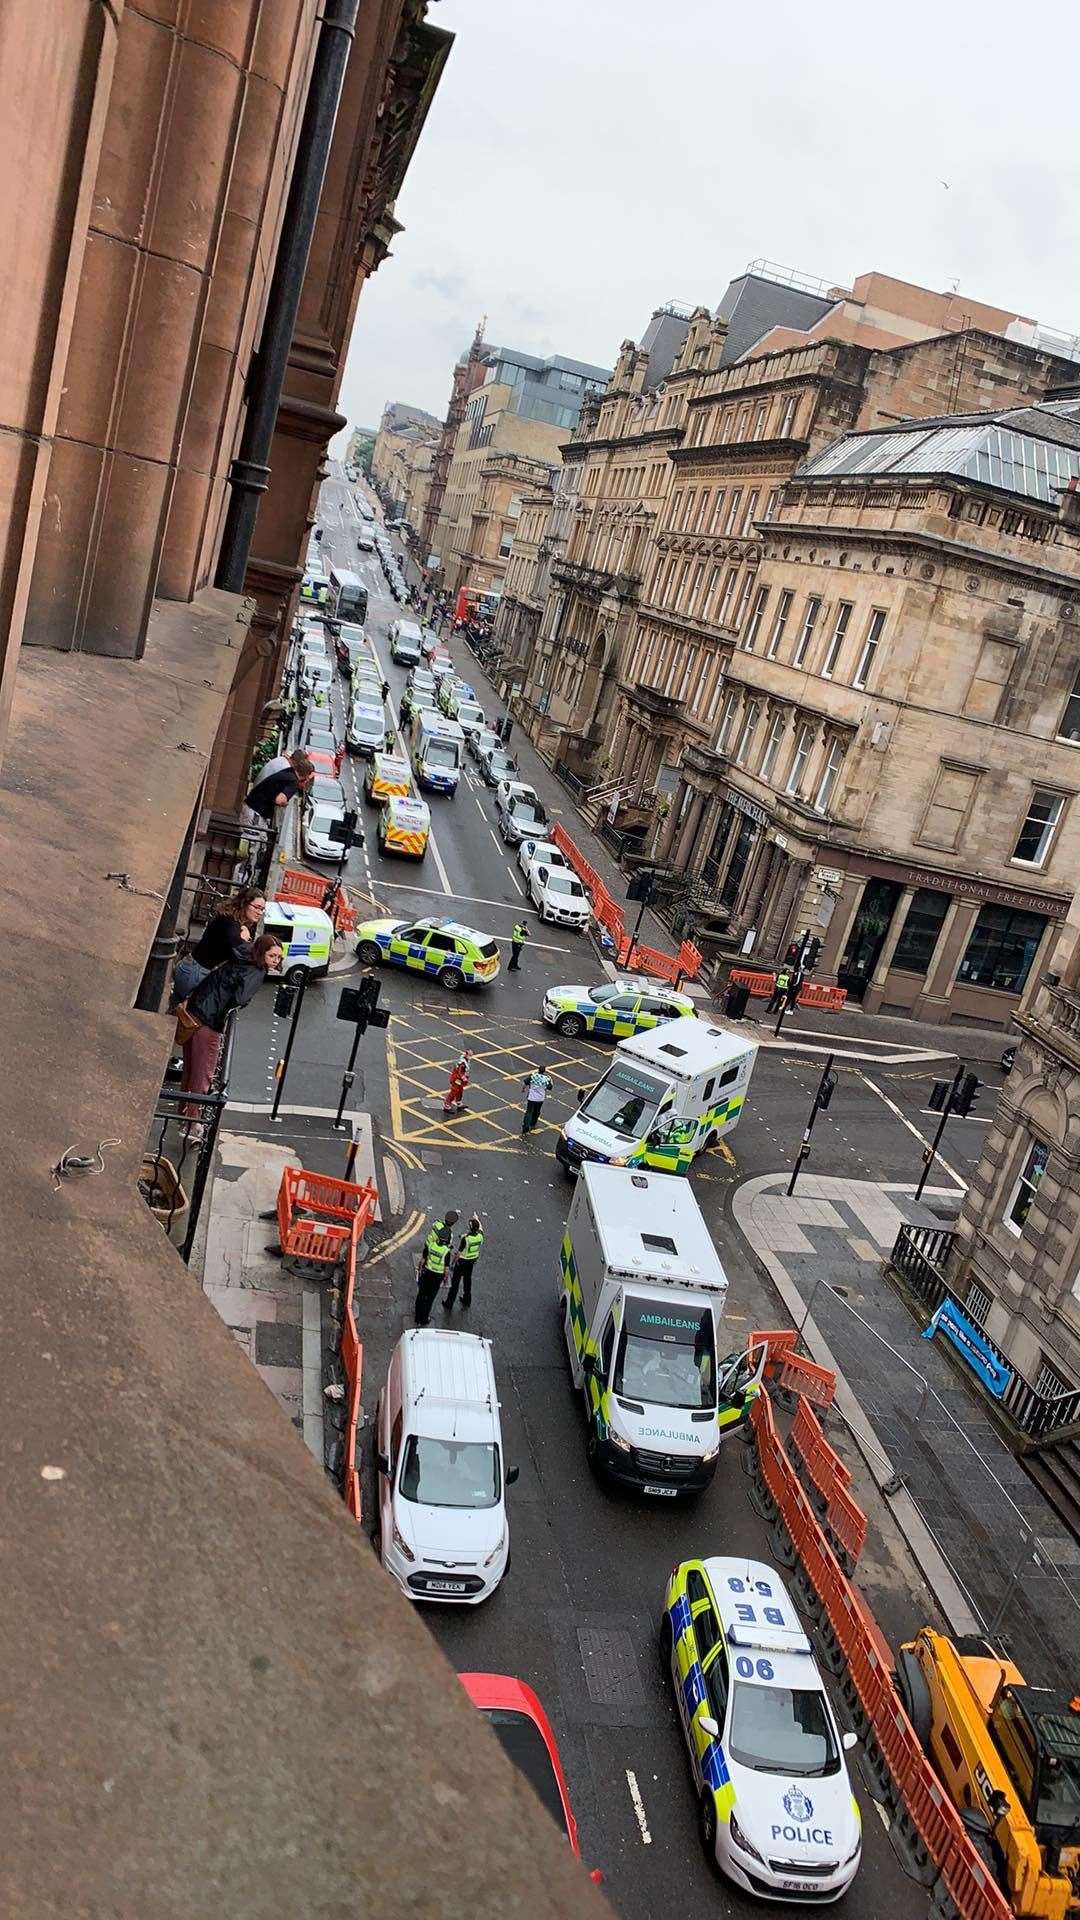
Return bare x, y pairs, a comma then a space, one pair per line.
438, 748
642, 1292
443, 1531
667, 1094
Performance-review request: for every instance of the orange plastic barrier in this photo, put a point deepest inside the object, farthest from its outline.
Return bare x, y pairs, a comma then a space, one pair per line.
869, 1666
685, 964
793, 1371
316, 1214
352, 1359
300, 889
845, 1521
763, 986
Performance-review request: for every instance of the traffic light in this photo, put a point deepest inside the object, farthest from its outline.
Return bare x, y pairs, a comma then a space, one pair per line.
344, 831
826, 1089
964, 1097
939, 1093
360, 1005
643, 886
283, 1000
810, 955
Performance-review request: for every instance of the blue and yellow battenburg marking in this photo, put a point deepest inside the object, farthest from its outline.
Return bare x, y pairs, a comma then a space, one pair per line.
678, 1156
690, 1678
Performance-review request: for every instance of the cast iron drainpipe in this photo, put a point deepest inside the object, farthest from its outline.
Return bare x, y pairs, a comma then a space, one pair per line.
249, 473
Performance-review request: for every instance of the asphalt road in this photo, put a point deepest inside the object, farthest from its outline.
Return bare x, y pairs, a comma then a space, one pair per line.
577, 1616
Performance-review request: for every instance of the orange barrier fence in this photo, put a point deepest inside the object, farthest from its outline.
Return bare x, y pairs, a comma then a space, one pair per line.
686, 964
855, 1647
762, 986
845, 1521
792, 1371
320, 1218
300, 889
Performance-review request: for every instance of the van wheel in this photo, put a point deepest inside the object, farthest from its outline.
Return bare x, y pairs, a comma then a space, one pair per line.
710, 1142
369, 952
450, 978
295, 975
570, 1024
592, 1448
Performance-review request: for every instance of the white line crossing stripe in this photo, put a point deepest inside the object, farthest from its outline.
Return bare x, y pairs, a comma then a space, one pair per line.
905, 1122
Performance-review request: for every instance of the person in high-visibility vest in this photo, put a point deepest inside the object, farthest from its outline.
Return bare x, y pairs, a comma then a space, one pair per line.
780, 990
468, 1254
517, 942
433, 1265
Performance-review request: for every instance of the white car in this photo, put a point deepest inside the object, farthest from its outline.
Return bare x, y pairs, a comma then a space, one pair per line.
508, 789
443, 1530
366, 730
776, 1810
315, 831
422, 678
558, 896
316, 675
469, 715
545, 851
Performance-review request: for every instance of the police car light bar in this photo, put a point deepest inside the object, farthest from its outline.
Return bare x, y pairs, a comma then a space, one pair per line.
793, 1642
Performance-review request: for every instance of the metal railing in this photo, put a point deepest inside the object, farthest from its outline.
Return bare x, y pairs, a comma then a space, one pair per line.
176, 1151
921, 1254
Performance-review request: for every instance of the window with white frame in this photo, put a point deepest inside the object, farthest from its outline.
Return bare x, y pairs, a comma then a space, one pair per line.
810, 617
702, 676
760, 418
771, 503
1022, 1197
803, 742
718, 508
757, 615
703, 508
744, 422
978, 1303
744, 600
688, 668
749, 511
1036, 836
725, 598
699, 575
777, 729
870, 647
727, 720
1050, 1383
733, 509
1069, 728
779, 624
834, 760
676, 507
836, 639
749, 725
710, 592
688, 511
787, 420
714, 696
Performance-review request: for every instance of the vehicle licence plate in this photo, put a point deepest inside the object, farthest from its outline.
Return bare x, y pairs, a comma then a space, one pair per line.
446, 1586
667, 1492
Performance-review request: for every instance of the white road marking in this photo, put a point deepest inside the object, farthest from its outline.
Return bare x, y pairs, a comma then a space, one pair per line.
975, 1119
639, 1808
905, 1122
470, 899
495, 844
883, 1814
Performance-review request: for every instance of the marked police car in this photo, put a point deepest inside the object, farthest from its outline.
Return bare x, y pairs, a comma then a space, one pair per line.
454, 955
614, 1009
776, 1810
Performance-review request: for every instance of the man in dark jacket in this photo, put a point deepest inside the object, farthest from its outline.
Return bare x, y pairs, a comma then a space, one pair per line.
280, 780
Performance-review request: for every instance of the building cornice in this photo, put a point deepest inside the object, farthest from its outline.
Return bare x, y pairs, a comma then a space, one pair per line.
681, 623
743, 452
576, 450
901, 540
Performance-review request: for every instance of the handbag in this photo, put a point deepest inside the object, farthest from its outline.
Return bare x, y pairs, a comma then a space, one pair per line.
186, 1024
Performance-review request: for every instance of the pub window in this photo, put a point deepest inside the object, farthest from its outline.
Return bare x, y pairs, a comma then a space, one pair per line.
921, 930
1001, 950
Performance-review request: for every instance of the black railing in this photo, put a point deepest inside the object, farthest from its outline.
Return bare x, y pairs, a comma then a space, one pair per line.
180, 1151
578, 787
921, 1254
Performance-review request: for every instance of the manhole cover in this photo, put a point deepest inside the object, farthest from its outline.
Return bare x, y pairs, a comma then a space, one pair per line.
611, 1672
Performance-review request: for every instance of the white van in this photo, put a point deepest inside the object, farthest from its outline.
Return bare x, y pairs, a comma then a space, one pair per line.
667, 1094
305, 935
438, 748
443, 1530
642, 1293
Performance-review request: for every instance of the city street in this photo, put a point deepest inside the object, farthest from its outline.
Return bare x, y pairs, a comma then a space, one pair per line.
577, 1616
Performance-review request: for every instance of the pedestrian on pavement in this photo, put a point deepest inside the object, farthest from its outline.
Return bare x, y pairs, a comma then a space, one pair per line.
517, 942
403, 711
537, 1085
459, 1080
202, 1018
433, 1264
385, 690
794, 984
227, 936
468, 1253
780, 989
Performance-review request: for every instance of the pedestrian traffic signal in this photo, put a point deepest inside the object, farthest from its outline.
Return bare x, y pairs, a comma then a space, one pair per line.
643, 886
964, 1097
283, 1000
810, 956
939, 1093
360, 1005
826, 1089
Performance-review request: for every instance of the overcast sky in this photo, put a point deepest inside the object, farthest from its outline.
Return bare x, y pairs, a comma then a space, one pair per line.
587, 160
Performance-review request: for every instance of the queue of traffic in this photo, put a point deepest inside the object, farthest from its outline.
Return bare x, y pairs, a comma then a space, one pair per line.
641, 1292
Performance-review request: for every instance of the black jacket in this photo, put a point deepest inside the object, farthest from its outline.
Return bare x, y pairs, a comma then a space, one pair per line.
222, 940
223, 991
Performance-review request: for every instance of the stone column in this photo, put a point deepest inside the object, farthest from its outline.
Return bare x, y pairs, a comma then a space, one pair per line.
673, 824
876, 990
688, 835
166, 159
836, 937
706, 833
955, 933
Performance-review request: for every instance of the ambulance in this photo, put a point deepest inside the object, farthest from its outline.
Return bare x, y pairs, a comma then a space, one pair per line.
404, 826
306, 938
387, 774
642, 1294
668, 1094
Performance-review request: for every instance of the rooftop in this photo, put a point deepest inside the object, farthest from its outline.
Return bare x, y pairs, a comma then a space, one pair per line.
1030, 452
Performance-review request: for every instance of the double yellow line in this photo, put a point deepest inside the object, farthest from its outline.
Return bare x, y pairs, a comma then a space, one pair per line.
413, 1225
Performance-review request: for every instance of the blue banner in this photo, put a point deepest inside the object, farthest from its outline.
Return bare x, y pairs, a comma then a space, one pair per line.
983, 1358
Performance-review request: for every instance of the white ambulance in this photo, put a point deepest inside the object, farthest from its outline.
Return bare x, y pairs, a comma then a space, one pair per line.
642, 1294
668, 1094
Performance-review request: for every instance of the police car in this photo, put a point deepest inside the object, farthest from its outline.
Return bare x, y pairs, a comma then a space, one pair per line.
614, 1009
454, 955
776, 1810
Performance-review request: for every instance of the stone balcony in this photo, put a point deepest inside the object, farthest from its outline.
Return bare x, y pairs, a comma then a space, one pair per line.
1053, 1021
595, 582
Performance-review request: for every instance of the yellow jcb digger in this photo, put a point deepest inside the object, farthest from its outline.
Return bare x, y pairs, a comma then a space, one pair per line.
1009, 1757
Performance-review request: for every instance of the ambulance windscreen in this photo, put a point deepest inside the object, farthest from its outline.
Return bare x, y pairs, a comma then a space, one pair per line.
666, 1357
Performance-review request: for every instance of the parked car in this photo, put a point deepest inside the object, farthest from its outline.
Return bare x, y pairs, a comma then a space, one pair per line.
366, 731
558, 895
545, 851
315, 831
405, 642
524, 1733
429, 644
350, 643
325, 790
511, 789
521, 818
421, 677
480, 741
497, 765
